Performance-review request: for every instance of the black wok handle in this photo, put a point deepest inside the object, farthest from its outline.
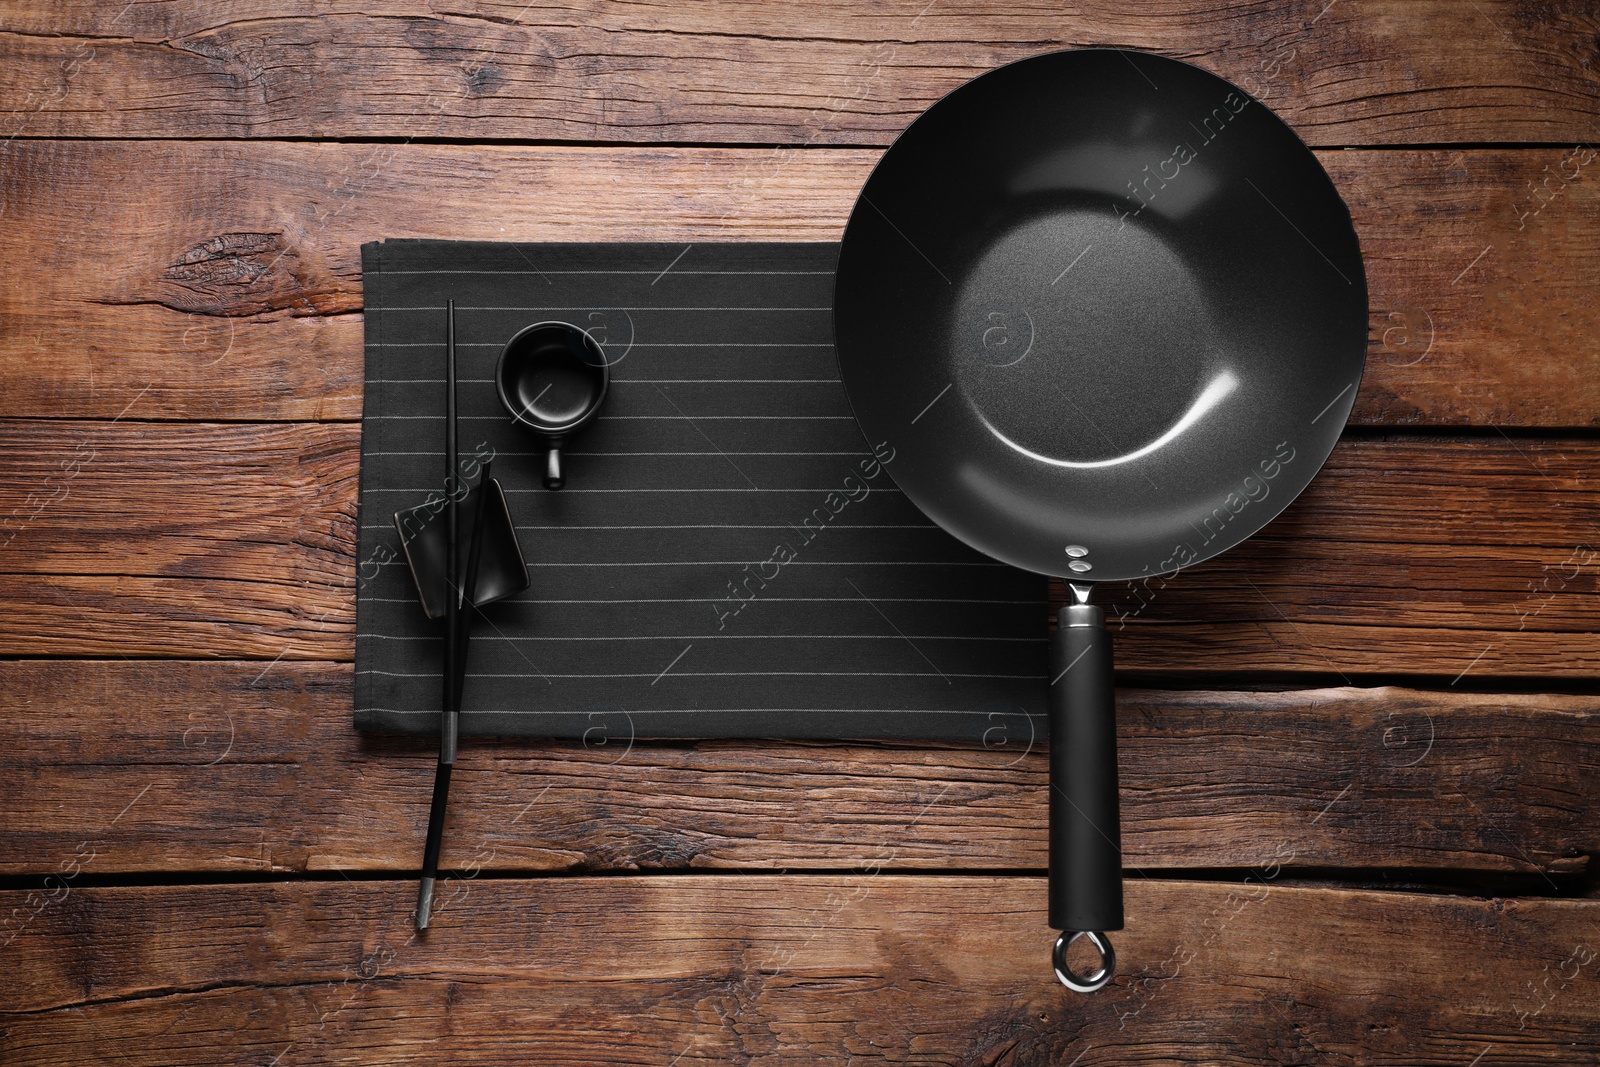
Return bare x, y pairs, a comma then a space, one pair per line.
1085, 826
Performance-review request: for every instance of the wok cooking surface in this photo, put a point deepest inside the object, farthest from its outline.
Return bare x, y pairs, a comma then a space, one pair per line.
1107, 383
1103, 302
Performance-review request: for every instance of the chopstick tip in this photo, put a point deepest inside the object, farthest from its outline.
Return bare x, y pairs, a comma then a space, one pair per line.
424, 903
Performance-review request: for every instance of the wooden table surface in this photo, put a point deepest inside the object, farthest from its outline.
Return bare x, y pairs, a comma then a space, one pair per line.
1360, 755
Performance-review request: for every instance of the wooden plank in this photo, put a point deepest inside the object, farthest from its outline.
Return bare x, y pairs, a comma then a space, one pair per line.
273, 502
1355, 73
1466, 256
152, 766
245, 304
214, 540
1411, 555
1441, 557
791, 969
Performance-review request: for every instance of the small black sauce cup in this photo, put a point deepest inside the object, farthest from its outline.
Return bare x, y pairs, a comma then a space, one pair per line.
552, 378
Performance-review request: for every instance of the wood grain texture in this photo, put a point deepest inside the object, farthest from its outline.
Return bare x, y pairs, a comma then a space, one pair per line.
1427, 556
792, 969
1396, 558
185, 767
1356, 73
181, 330
199, 540
244, 303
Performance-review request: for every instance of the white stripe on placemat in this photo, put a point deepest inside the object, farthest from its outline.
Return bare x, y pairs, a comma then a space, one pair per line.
712, 674
636, 344
713, 637
600, 307
626, 381
559, 273
711, 711
764, 600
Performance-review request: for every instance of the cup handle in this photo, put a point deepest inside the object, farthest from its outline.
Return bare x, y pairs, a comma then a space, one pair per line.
554, 475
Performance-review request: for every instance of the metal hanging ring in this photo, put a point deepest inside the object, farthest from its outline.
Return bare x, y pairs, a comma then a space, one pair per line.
1090, 982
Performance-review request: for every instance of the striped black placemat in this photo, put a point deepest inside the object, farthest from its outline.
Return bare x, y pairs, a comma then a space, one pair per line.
729, 559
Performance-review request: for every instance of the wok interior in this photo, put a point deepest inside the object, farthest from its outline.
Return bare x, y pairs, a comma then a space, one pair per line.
1105, 301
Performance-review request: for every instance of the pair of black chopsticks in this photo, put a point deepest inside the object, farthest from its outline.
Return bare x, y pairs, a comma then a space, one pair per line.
457, 626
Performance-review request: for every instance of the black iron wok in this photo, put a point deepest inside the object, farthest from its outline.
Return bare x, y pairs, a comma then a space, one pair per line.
1111, 313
